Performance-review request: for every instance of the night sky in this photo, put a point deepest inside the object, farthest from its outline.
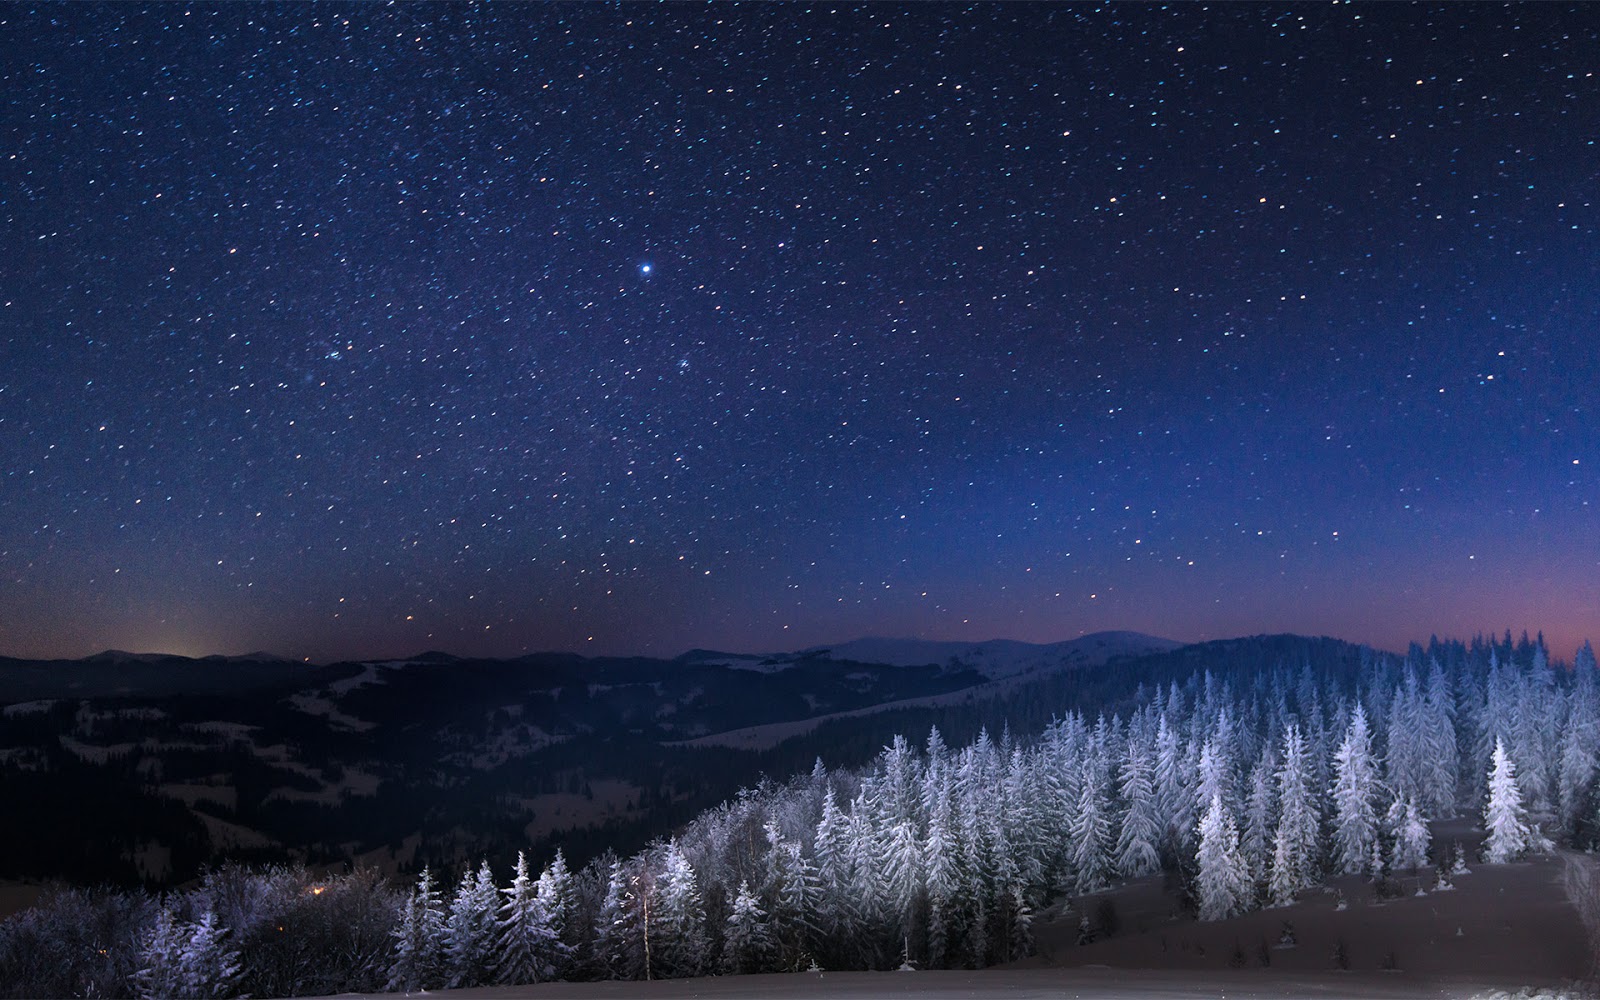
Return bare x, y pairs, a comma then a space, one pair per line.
358, 330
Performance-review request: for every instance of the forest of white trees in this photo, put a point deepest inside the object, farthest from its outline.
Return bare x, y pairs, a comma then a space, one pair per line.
1243, 790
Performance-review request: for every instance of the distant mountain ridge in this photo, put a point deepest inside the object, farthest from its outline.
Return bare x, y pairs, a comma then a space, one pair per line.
999, 657
994, 658
118, 673
115, 672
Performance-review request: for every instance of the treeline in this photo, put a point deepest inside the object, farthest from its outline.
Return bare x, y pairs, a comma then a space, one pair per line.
1245, 787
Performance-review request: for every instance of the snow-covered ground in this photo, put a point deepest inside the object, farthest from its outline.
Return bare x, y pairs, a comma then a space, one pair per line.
1012, 984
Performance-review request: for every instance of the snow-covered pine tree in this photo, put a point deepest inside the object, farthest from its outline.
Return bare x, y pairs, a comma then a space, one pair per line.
1222, 881
902, 873
1441, 758
1536, 732
179, 958
558, 902
1021, 941
1172, 794
1405, 758
419, 939
677, 923
160, 973
526, 940
792, 887
1260, 816
1505, 819
943, 876
208, 967
835, 912
867, 891
1213, 778
1411, 839
618, 927
1580, 741
747, 946
1140, 832
1026, 815
1091, 832
1294, 846
1355, 788
469, 937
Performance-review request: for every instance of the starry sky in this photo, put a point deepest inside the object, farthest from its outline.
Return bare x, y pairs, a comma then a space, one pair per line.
354, 330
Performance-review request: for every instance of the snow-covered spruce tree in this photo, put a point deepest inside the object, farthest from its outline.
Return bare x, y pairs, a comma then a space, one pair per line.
677, 921
559, 903
943, 874
1580, 743
902, 873
160, 972
1213, 778
1294, 846
210, 968
1441, 759
469, 937
747, 946
1173, 800
1405, 756
1505, 819
1355, 789
1020, 939
792, 887
1089, 849
835, 917
1028, 812
419, 939
1222, 882
873, 944
1411, 839
619, 940
526, 940
1136, 841
1537, 731
178, 958
1260, 816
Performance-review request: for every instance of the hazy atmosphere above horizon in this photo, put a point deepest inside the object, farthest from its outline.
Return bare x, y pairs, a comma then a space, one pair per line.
353, 330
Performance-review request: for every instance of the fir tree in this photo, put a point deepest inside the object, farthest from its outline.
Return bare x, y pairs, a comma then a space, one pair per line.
182, 959
1504, 817
1294, 847
1260, 817
1411, 839
558, 905
470, 930
677, 924
618, 937
160, 973
1090, 833
209, 967
1223, 881
419, 939
1136, 841
527, 941
1355, 786
747, 946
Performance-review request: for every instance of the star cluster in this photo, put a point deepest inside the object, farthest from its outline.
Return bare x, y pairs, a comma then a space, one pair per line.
350, 330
